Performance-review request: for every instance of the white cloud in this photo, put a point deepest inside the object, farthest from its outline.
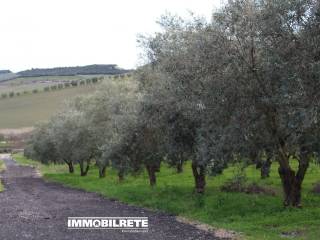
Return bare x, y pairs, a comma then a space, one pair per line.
49, 33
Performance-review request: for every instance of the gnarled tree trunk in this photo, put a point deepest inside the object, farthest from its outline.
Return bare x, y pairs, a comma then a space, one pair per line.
292, 181
199, 174
83, 172
70, 166
71, 169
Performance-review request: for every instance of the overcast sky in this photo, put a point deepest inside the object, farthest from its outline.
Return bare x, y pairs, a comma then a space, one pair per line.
52, 33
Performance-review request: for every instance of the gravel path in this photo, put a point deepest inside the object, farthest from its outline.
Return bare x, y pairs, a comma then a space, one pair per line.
31, 208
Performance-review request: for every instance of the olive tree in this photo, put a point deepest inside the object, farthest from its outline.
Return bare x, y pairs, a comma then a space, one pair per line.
111, 113
180, 136
179, 57
72, 135
41, 147
275, 76
254, 70
59, 133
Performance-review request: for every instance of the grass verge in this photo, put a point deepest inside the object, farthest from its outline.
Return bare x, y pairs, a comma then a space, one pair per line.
256, 216
2, 167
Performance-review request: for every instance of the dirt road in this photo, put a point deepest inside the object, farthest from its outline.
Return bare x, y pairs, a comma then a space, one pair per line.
31, 208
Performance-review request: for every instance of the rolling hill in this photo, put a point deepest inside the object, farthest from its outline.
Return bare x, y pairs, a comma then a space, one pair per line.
110, 69
32, 96
6, 75
28, 110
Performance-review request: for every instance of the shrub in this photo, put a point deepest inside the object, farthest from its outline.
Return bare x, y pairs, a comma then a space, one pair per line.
236, 184
46, 89
54, 87
67, 84
4, 95
82, 82
254, 188
11, 94
60, 86
35, 91
74, 83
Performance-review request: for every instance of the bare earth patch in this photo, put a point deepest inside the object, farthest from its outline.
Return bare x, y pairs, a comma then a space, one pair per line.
218, 232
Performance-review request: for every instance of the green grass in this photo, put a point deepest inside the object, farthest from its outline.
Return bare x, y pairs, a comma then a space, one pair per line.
27, 110
256, 216
44, 169
2, 167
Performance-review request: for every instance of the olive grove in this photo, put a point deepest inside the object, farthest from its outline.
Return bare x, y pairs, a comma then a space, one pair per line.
243, 87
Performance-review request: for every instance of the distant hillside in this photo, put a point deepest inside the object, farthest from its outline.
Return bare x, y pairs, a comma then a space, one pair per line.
7, 75
5, 71
29, 109
71, 71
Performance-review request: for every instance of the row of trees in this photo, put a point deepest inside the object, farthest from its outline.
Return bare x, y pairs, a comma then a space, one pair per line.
17, 94
73, 71
73, 83
244, 87
87, 129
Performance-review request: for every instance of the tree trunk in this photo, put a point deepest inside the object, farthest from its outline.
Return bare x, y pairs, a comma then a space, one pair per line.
179, 167
265, 168
83, 172
199, 177
102, 171
303, 166
258, 164
292, 182
70, 166
152, 174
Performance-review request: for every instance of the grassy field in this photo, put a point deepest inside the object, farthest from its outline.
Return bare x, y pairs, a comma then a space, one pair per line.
29, 83
27, 110
256, 216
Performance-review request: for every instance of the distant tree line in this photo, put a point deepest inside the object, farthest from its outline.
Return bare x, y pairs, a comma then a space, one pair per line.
72, 71
59, 86
67, 84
